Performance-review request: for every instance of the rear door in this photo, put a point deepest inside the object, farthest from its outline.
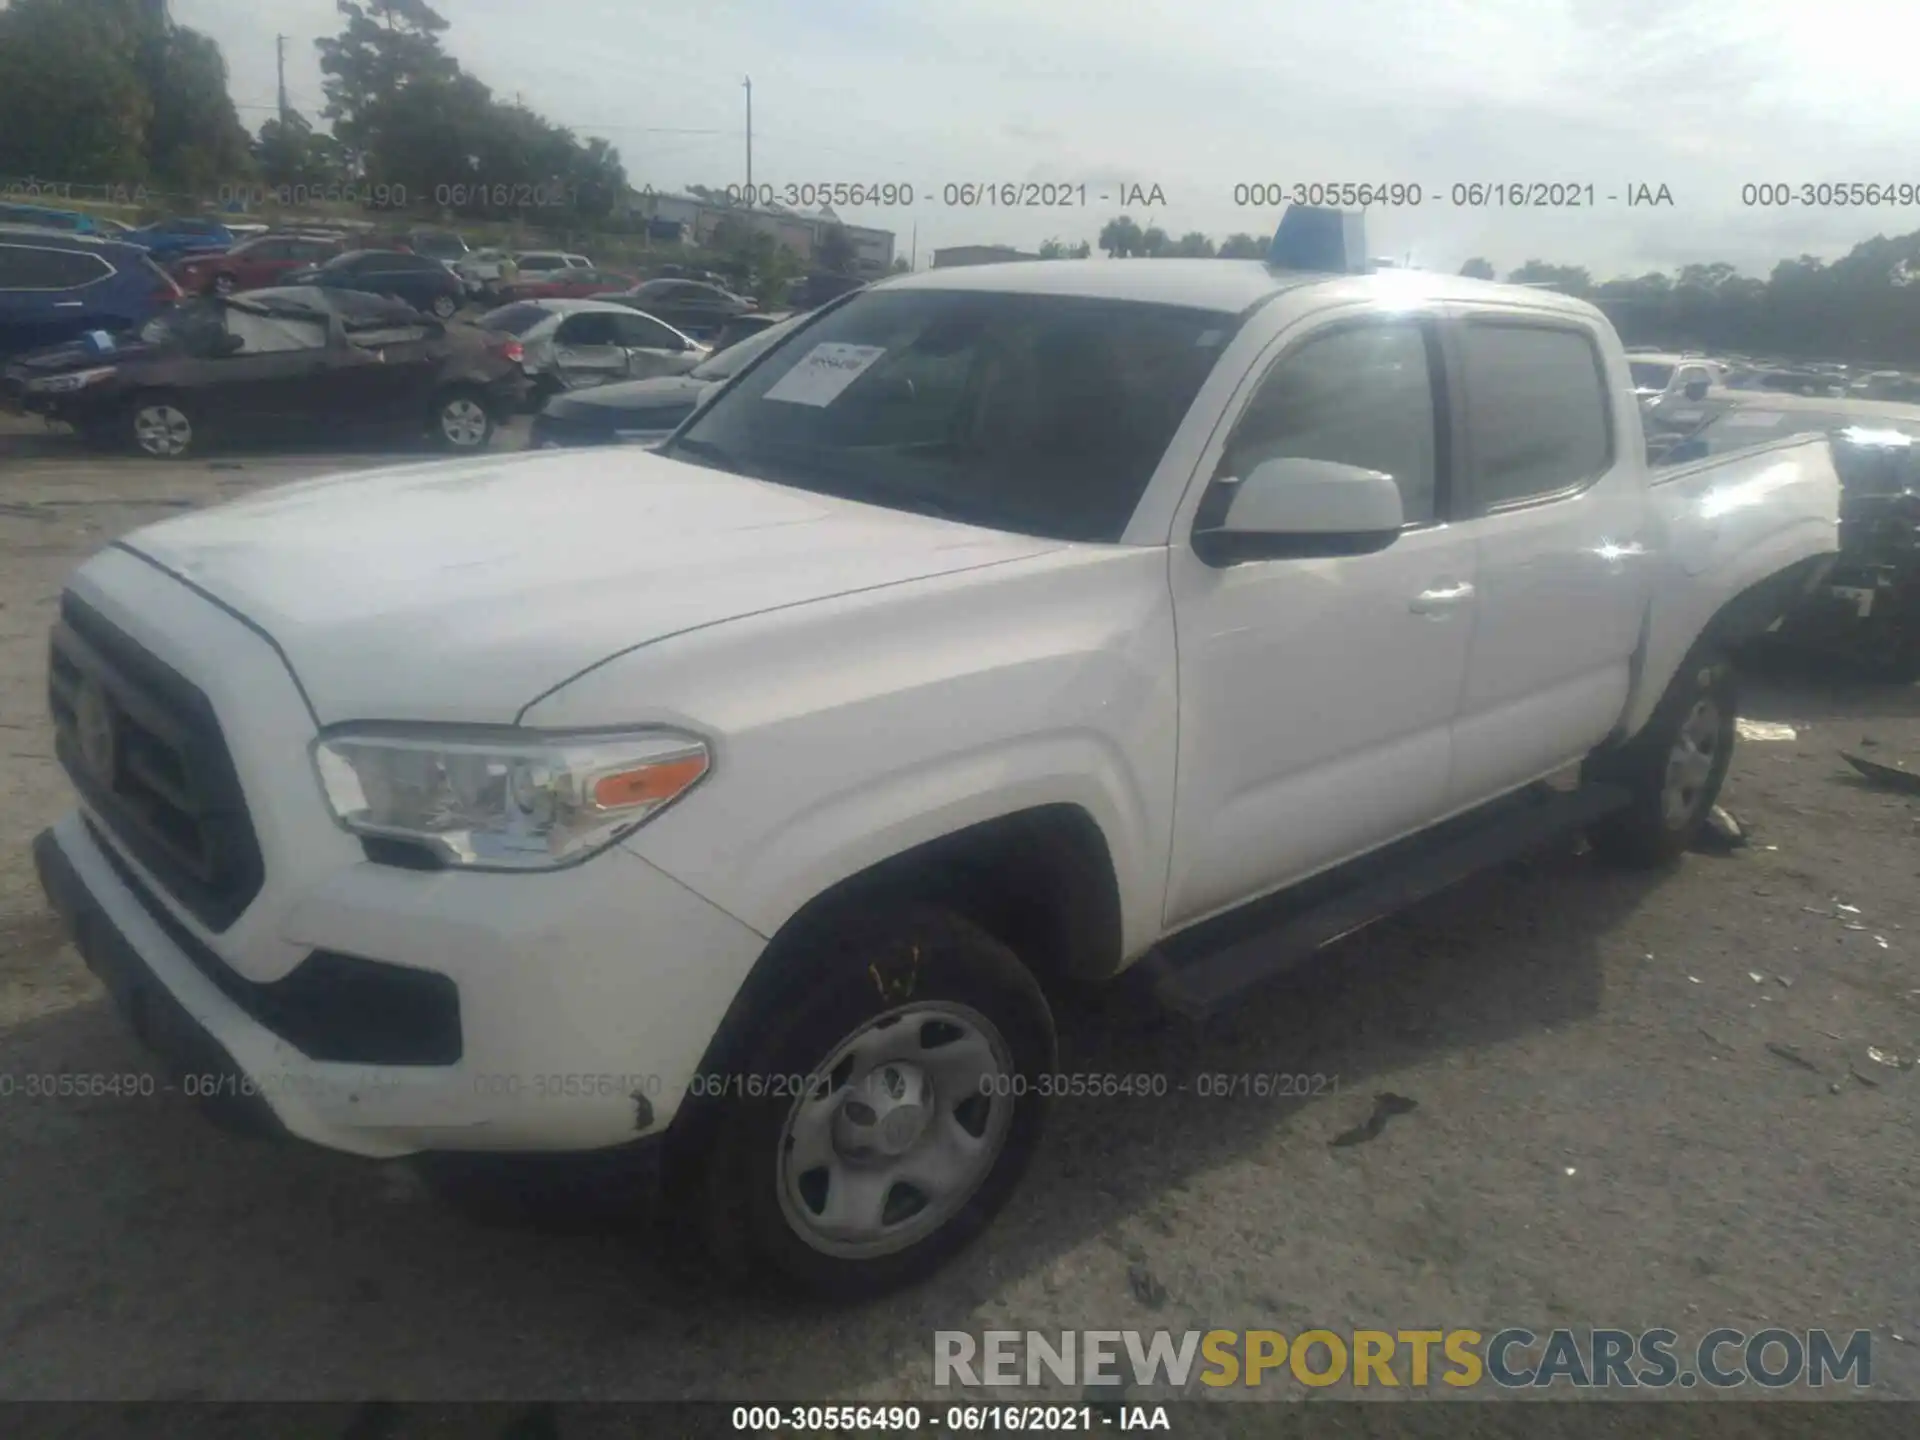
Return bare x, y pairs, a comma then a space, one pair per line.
587, 349
47, 294
1553, 490
651, 348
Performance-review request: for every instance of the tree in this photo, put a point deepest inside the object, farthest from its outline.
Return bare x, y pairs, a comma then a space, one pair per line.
835, 251
1153, 241
1194, 246
1568, 279
1082, 251
1478, 268
901, 265
109, 91
1120, 237
1241, 246
1053, 248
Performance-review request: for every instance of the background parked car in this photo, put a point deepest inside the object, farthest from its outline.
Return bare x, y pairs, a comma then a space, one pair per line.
572, 282
438, 245
814, 290
424, 283
54, 287
481, 270
254, 264
73, 222
745, 327
641, 411
526, 261
571, 344
168, 240
687, 305
271, 360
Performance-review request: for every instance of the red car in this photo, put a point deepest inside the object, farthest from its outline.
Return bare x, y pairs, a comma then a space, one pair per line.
572, 283
254, 265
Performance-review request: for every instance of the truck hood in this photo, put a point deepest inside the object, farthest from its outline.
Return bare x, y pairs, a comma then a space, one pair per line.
463, 590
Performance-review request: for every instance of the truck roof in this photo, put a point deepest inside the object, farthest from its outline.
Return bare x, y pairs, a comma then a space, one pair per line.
1228, 286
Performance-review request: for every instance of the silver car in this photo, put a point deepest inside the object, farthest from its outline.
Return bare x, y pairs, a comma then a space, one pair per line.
576, 344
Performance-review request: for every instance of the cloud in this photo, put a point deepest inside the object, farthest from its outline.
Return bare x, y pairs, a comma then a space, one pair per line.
1704, 98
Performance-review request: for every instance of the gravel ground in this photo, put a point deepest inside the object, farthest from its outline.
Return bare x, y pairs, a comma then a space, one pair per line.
1612, 1126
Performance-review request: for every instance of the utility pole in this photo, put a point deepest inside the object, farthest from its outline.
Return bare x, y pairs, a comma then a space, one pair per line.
748, 83
280, 59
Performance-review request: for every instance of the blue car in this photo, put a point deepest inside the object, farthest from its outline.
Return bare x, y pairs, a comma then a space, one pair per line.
55, 287
168, 240
42, 217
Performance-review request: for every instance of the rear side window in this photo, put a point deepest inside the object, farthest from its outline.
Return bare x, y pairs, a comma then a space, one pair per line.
33, 267
1361, 395
514, 319
1537, 414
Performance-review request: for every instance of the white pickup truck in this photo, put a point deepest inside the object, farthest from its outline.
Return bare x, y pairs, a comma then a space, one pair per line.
1001, 627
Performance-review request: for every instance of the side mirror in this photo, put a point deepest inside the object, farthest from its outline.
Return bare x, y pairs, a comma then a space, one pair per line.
1293, 508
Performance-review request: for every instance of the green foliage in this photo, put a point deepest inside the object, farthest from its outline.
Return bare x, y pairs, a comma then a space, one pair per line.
107, 92
835, 252
1242, 246
408, 115
1194, 246
1121, 237
1478, 268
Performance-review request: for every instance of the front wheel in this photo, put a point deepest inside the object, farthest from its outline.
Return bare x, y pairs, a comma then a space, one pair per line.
1673, 768
461, 421
882, 1112
444, 306
224, 284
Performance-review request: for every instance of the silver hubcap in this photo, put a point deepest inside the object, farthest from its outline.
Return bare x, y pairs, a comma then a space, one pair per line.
905, 1124
1690, 763
443, 307
223, 285
463, 422
162, 430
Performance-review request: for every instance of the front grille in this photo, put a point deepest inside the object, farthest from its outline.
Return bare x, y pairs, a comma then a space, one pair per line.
144, 749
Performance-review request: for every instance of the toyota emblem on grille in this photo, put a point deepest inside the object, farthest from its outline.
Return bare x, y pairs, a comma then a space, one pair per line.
93, 729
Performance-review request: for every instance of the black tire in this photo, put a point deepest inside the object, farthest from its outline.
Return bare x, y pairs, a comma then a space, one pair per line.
1661, 823
461, 421
444, 307
223, 284
160, 425
741, 1199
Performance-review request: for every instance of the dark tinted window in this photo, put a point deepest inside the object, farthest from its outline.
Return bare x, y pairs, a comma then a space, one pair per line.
735, 358
27, 267
644, 333
1041, 414
1537, 419
594, 328
1649, 376
514, 319
1362, 396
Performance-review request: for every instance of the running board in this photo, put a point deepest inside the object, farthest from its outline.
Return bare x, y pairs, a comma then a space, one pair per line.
1196, 974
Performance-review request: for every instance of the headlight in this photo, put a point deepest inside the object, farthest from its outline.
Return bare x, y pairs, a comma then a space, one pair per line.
72, 380
505, 799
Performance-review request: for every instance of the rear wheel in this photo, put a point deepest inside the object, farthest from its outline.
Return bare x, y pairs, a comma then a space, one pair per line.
161, 427
1673, 768
224, 284
878, 1117
444, 306
461, 421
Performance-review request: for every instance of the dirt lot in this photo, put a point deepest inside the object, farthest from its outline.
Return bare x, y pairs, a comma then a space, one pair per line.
1605, 1133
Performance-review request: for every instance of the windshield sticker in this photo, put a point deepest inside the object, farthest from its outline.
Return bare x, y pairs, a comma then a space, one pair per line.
1753, 420
826, 371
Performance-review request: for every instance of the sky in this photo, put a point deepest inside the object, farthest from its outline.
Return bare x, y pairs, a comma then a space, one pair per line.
1200, 96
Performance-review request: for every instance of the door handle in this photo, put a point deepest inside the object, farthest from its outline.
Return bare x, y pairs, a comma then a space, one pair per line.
1441, 599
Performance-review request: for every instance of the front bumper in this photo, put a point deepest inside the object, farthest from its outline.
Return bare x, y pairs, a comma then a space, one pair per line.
586, 997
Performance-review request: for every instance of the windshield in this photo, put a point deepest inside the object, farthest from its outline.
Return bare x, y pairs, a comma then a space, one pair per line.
1042, 414
440, 247
189, 324
736, 357
1648, 376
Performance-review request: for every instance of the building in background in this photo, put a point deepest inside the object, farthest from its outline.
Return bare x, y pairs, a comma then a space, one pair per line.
690, 220
978, 255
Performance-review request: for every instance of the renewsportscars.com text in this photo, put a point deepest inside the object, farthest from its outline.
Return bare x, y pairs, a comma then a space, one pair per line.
1513, 1358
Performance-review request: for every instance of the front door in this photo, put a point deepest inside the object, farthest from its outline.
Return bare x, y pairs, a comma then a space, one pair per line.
1317, 696
651, 348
